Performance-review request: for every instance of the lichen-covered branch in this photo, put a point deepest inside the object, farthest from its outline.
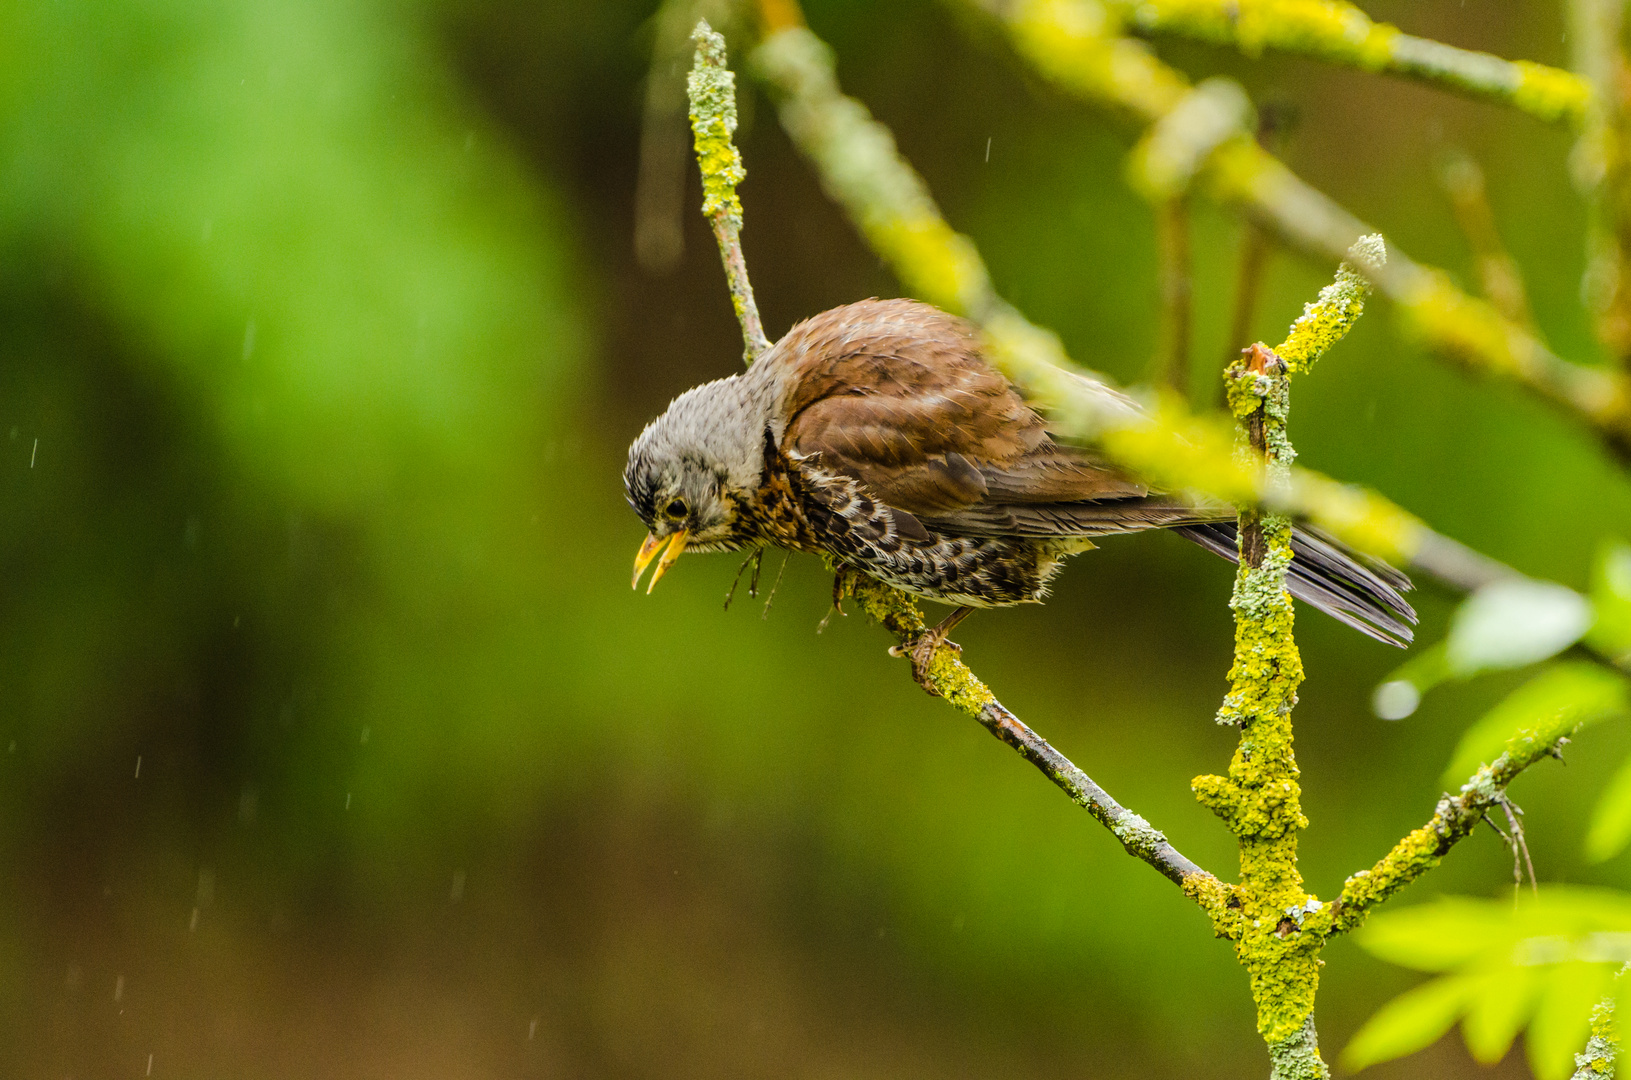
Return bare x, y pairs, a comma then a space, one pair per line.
1281, 925
712, 90
1077, 46
948, 677
1453, 821
1341, 33
862, 170
1597, 1061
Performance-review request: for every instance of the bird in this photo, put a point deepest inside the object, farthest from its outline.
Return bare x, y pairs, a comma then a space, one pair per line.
879, 435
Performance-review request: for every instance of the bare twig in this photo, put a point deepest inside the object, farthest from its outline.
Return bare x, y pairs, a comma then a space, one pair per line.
712, 90
1172, 246
1498, 275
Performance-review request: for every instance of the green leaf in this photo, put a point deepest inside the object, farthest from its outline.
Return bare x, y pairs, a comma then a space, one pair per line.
1563, 1016
1550, 704
1611, 821
1413, 1020
1503, 1002
1448, 933
1611, 599
1508, 624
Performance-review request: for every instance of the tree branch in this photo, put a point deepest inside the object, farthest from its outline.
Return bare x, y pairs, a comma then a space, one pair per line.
712, 90
950, 678
1453, 820
1603, 1048
1075, 44
1341, 33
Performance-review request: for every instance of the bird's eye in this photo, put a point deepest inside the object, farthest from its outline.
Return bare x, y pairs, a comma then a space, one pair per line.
676, 509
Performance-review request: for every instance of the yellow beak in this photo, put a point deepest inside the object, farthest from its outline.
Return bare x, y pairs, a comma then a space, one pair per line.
648, 551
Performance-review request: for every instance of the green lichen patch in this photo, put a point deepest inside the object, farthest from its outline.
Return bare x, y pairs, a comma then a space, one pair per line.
712, 89
1329, 318
1550, 93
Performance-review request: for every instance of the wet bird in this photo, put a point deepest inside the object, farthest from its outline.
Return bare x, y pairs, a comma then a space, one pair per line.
877, 434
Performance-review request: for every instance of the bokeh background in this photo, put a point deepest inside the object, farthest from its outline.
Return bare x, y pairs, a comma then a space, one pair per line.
332, 740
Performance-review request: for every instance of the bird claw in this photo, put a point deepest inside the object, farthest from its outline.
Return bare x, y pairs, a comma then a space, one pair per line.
920, 650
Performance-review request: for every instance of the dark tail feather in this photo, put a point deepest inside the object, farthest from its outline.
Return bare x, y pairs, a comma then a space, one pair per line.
1363, 592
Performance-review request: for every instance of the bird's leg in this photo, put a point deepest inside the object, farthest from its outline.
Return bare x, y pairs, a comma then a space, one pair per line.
922, 648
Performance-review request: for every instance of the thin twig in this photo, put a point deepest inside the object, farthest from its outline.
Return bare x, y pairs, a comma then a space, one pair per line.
712, 90
1453, 821
1172, 247
1498, 274
948, 677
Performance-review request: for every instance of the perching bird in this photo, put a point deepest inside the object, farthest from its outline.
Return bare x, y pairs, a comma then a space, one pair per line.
877, 434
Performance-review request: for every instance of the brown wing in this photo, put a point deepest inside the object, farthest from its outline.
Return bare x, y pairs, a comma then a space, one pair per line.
897, 395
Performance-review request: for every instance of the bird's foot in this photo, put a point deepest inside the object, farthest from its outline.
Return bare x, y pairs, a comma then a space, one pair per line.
840, 586
921, 649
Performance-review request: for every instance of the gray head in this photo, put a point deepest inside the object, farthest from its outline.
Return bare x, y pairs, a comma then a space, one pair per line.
693, 470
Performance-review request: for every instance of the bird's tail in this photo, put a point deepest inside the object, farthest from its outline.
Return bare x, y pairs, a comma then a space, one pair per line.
1363, 592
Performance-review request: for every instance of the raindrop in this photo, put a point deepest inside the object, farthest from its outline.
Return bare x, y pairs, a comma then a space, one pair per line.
532, 1029
457, 892
149, 1064
138, 767
365, 736
249, 339
1396, 700
192, 924
34, 453
988, 150
348, 800
118, 987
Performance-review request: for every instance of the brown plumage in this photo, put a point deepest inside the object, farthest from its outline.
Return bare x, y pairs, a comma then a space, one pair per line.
877, 433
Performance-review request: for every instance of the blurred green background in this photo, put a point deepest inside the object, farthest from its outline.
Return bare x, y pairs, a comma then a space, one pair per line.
334, 742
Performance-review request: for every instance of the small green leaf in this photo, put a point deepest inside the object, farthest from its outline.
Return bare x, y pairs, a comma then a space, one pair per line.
1611, 821
1448, 933
1413, 1020
1563, 1016
1550, 704
1611, 598
1508, 624
1497, 1011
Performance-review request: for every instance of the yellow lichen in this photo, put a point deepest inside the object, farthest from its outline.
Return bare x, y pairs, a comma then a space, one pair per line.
712, 88
1550, 93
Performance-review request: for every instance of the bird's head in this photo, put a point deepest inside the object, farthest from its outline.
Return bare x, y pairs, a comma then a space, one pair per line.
690, 473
